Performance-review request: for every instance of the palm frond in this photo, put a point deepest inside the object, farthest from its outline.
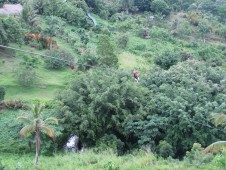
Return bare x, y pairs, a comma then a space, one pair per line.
48, 131
24, 119
219, 119
27, 130
51, 120
215, 147
41, 108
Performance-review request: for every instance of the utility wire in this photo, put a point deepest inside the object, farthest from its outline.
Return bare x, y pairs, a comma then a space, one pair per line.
43, 55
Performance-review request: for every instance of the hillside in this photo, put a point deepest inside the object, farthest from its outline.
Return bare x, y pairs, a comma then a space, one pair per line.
122, 75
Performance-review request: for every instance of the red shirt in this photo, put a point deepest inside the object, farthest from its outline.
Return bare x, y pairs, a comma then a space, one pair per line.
135, 74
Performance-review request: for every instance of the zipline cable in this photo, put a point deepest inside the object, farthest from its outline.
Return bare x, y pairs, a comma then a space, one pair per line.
43, 55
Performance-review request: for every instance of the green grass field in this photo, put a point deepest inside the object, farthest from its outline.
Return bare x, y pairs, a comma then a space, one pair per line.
48, 81
107, 160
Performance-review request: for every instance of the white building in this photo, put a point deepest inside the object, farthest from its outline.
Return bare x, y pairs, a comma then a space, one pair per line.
11, 9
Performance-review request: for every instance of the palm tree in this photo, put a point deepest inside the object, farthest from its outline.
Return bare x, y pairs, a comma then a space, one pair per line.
215, 147
35, 123
196, 6
219, 119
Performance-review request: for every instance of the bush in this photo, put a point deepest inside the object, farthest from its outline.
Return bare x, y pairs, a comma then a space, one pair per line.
14, 104
26, 76
185, 55
59, 59
144, 33
164, 149
160, 6
140, 47
197, 156
105, 50
11, 30
110, 141
2, 93
160, 33
167, 59
215, 62
87, 61
123, 41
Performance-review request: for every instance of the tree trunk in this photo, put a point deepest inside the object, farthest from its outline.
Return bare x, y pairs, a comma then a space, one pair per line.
51, 43
37, 138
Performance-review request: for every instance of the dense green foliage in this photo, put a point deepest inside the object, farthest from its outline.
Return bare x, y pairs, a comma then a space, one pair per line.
183, 95
177, 46
100, 103
167, 59
58, 59
2, 93
179, 97
105, 50
11, 30
164, 149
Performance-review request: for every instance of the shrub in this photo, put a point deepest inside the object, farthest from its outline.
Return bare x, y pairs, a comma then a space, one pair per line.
167, 59
105, 49
164, 149
144, 33
185, 55
197, 156
59, 59
140, 47
26, 76
87, 61
110, 141
160, 6
123, 41
2, 93
214, 62
160, 33
11, 30
14, 104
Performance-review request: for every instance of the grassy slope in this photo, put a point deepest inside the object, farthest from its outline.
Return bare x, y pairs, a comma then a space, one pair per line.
89, 160
49, 81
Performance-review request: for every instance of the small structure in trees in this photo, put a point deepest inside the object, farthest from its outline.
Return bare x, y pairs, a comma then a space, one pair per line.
11, 9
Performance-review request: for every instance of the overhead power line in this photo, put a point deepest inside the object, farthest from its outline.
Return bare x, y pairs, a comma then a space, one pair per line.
43, 55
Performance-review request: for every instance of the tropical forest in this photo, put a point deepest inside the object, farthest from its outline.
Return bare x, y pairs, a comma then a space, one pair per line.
112, 84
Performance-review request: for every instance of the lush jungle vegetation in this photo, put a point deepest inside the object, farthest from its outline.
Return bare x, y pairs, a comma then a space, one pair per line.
78, 58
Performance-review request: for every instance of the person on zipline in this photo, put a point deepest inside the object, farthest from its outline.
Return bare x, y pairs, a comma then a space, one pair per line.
136, 76
74, 68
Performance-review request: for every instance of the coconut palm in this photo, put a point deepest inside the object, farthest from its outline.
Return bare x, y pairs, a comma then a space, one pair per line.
196, 6
219, 120
35, 123
215, 147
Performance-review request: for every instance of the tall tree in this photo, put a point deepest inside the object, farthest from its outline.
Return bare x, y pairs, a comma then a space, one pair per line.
127, 5
105, 50
35, 123
143, 5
